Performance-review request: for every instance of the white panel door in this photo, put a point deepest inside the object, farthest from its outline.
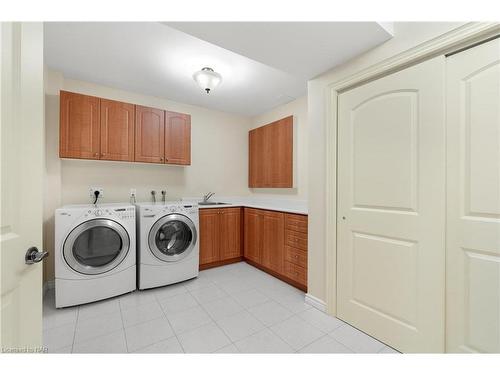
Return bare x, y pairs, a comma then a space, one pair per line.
391, 208
473, 200
21, 142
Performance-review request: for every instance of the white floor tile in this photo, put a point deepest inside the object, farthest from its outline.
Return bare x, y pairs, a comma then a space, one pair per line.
91, 310
388, 350
197, 283
296, 332
295, 302
109, 343
53, 318
250, 298
189, 319
222, 307
66, 350
320, 320
356, 340
205, 339
325, 344
235, 286
136, 299
240, 325
141, 314
229, 349
270, 313
210, 293
178, 303
59, 337
148, 333
98, 326
264, 341
169, 291
170, 345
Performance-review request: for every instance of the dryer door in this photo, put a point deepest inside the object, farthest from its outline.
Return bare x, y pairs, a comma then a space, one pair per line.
172, 238
96, 246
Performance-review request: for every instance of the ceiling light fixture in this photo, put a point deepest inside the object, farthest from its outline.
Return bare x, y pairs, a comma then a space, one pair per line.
207, 79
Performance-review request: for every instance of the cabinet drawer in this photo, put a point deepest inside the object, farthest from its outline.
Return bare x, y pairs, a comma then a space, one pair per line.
296, 256
296, 239
296, 273
296, 223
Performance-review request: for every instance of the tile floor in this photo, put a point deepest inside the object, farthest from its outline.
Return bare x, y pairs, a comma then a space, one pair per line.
231, 309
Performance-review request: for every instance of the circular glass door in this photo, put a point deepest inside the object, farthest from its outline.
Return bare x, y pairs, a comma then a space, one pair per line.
172, 238
96, 246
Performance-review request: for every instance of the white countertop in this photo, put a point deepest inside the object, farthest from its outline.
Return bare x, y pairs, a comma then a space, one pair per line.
276, 204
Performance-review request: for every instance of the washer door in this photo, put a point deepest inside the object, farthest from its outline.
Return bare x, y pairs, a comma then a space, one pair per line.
172, 238
96, 246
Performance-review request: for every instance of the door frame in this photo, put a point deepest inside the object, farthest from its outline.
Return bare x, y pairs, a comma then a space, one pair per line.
452, 41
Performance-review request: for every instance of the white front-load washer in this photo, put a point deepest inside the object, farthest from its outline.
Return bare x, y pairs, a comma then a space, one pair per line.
167, 238
95, 252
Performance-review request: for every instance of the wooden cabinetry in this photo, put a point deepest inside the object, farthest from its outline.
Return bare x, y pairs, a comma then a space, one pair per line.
178, 138
117, 130
277, 243
79, 126
97, 128
295, 260
149, 135
220, 236
271, 155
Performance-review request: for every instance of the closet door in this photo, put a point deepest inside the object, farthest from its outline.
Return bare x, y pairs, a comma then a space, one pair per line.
473, 200
391, 208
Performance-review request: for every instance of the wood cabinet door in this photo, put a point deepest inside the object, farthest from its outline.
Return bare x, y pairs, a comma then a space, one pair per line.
209, 235
117, 130
230, 233
273, 247
252, 234
149, 134
270, 155
178, 138
79, 126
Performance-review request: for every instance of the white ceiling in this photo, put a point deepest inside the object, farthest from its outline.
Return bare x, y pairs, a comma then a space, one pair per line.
263, 65
303, 49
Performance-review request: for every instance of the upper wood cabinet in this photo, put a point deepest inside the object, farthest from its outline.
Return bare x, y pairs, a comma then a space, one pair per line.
178, 138
149, 134
79, 126
117, 130
271, 155
220, 235
97, 128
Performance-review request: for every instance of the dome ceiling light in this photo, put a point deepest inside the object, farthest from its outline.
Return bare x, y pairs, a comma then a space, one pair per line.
207, 79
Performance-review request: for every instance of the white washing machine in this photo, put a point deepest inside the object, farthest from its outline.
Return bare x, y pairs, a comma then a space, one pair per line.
167, 238
95, 252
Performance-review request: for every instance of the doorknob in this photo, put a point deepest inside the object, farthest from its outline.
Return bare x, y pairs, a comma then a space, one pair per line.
34, 256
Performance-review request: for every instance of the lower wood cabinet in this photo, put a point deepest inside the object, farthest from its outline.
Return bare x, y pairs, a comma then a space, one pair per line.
273, 241
220, 236
277, 243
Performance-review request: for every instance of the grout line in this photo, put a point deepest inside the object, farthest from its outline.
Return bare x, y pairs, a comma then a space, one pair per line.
170, 324
123, 323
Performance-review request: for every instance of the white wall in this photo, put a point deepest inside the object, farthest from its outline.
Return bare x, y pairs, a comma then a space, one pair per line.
298, 109
219, 158
407, 35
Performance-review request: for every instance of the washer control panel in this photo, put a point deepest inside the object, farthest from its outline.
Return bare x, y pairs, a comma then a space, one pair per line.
120, 213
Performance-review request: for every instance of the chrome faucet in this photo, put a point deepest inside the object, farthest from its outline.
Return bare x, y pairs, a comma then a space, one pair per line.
207, 196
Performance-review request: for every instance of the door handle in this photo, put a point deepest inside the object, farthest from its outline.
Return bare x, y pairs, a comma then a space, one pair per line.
34, 256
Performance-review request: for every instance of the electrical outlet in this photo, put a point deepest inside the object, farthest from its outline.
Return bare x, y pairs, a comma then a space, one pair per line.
133, 192
99, 189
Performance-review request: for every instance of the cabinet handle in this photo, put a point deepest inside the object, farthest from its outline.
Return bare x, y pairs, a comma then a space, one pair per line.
166, 159
161, 159
103, 154
96, 154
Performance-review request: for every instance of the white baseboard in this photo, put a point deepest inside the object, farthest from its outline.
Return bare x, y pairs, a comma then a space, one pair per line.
51, 284
316, 302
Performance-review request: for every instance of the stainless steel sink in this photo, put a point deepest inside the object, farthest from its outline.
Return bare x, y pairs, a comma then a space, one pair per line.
211, 203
